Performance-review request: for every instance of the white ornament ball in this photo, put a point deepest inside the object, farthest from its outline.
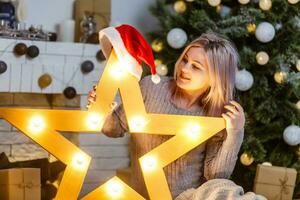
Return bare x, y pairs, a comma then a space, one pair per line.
244, 1
298, 65
265, 32
243, 80
162, 69
262, 58
176, 38
298, 105
265, 4
293, 1
225, 11
214, 2
291, 135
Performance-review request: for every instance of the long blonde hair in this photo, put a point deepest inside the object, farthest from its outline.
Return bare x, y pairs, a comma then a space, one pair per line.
223, 60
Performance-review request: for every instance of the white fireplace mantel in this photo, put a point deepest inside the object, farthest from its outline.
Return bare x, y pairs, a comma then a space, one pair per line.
61, 60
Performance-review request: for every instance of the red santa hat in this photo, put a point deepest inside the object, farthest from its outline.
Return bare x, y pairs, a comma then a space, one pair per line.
130, 47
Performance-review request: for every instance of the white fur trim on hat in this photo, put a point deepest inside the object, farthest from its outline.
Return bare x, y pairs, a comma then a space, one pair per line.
110, 37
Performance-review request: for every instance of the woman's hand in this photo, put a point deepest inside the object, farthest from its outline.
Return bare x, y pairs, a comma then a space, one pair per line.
92, 96
235, 117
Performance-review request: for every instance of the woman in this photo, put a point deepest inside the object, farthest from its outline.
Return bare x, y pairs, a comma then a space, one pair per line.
203, 85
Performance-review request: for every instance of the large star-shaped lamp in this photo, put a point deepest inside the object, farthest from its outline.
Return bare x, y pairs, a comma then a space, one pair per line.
43, 126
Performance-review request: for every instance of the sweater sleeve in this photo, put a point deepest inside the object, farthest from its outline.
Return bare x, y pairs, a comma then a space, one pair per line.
116, 124
221, 154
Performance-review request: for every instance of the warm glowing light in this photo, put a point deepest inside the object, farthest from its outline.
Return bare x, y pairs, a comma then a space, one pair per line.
116, 71
265, 4
94, 120
193, 130
36, 124
138, 123
149, 163
115, 188
79, 161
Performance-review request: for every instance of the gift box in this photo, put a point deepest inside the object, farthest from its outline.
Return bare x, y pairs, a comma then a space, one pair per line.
20, 184
101, 10
275, 183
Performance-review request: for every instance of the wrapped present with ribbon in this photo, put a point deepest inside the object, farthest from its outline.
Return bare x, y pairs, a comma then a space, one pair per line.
275, 183
20, 184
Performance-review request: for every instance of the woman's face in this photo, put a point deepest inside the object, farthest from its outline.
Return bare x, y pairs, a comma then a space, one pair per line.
192, 71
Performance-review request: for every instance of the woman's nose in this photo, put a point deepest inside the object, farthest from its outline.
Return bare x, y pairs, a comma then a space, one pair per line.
186, 67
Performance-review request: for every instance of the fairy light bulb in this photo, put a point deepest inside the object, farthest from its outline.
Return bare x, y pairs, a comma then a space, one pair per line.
138, 123
149, 163
79, 161
116, 71
36, 124
93, 120
193, 130
115, 189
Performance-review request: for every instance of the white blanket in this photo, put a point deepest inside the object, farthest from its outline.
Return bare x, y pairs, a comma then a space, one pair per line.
218, 189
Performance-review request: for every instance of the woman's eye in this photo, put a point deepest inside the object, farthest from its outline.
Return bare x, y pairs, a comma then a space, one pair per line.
197, 68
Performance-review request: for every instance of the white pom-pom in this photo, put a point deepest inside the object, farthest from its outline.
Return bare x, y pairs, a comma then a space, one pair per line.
155, 79
291, 135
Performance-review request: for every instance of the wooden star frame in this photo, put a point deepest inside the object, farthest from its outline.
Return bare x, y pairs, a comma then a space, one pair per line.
43, 126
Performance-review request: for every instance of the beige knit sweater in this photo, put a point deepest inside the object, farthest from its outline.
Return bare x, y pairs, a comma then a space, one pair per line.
215, 158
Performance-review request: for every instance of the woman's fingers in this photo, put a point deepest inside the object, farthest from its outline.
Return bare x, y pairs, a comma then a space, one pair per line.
231, 115
237, 105
225, 116
232, 109
92, 96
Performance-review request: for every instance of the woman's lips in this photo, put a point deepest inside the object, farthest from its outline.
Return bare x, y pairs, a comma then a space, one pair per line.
184, 77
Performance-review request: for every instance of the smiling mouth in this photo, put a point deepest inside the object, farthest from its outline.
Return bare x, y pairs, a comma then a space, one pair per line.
181, 76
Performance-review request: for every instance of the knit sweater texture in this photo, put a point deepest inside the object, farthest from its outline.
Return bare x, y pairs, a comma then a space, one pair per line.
212, 159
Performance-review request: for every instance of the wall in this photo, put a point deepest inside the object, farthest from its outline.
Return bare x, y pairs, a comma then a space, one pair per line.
51, 12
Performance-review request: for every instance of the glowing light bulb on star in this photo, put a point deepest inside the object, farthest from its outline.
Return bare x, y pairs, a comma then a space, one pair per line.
117, 71
193, 130
138, 123
149, 163
94, 120
115, 188
36, 124
79, 161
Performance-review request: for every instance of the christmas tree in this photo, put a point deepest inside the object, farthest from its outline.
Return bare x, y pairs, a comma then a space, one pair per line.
267, 36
